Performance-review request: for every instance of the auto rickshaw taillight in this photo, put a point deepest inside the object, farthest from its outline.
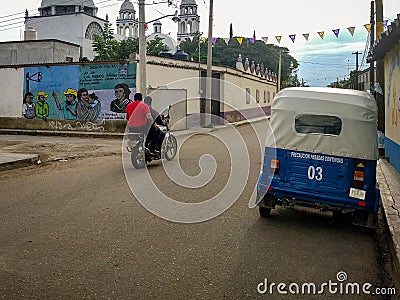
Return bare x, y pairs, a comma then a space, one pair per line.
275, 166
358, 179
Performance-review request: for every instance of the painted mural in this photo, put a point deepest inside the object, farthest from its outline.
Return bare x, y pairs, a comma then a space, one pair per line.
393, 91
85, 93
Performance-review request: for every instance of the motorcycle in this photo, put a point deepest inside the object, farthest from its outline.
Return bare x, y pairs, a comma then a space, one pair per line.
138, 145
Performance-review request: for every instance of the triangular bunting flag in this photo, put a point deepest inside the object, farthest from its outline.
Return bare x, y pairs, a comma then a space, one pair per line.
265, 39
321, 34
203, 39
306, 35
213, 40
240, 40
292, 37
351, 30
251, 40
385, 24
368, 27
226, 40
336, 32
278, 38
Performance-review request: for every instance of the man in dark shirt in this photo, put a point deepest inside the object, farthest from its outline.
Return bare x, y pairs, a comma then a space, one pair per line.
155, 134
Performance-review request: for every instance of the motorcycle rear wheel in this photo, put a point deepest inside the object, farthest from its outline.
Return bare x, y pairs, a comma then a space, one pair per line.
138, 158
169, 147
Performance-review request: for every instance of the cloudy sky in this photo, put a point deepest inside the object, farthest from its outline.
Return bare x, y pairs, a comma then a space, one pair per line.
321, 60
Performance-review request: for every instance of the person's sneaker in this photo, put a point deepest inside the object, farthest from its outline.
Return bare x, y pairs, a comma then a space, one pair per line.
155, 152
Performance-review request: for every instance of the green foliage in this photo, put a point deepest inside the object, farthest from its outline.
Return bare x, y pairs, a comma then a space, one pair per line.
155, 46
259, 52
192, 48
107, 48
349, 83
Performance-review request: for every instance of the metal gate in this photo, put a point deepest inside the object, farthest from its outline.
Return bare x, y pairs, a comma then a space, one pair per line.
177, 98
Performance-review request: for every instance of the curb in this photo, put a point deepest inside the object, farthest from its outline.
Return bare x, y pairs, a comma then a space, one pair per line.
17, 160
388, 179
110, 135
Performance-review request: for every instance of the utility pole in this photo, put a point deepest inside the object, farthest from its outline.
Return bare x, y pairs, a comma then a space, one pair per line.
207, 115
357, 54
372, 41
279, 70
380, 69
142, 50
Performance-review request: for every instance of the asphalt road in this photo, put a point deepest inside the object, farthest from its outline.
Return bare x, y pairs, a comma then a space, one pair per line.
72, 228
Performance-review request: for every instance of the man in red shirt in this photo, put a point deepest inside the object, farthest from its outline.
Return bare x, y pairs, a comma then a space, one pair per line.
139, 116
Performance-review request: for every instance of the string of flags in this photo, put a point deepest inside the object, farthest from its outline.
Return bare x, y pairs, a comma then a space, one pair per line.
292, 37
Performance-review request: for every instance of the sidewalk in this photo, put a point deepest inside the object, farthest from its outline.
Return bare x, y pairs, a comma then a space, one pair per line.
389, 183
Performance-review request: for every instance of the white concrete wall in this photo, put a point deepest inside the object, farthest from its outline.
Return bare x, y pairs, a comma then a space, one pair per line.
235, 91
185, 75
174, 76
11, 87
20, 53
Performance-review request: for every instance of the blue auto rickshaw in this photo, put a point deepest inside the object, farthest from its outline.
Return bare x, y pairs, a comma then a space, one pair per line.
321, 153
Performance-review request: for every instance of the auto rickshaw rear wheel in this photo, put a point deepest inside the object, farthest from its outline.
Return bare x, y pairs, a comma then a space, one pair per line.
265, 212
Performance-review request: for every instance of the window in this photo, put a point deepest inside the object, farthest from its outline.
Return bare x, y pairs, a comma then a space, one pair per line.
269, 96
247, 95
319, 124
258, 96
265, 96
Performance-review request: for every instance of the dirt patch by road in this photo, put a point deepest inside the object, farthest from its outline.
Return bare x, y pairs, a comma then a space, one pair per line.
67, 150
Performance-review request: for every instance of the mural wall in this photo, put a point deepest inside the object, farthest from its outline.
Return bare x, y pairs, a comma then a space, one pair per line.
78, 92
392, 86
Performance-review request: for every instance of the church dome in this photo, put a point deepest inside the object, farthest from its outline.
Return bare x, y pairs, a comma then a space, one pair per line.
166, 39
86, 3
127, 6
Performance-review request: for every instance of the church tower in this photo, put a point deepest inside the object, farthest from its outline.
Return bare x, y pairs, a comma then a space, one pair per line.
189, 20
127, 24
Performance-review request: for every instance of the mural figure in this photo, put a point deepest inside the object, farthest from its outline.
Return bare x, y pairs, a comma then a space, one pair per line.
88, 107
122, 98
69, 106
41, 106
395, 116
28, 107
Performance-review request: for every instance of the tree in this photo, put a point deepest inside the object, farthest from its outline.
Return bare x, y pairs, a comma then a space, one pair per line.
155, 46
105, 45
349, 83
107, 48
191, 47
226, 55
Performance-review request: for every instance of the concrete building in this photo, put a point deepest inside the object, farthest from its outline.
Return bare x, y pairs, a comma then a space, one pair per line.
38, 51
237, 94
387, 47
72, 21
364, 80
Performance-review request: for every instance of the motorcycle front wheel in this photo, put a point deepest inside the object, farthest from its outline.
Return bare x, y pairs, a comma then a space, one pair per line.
170, 146
138, 158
